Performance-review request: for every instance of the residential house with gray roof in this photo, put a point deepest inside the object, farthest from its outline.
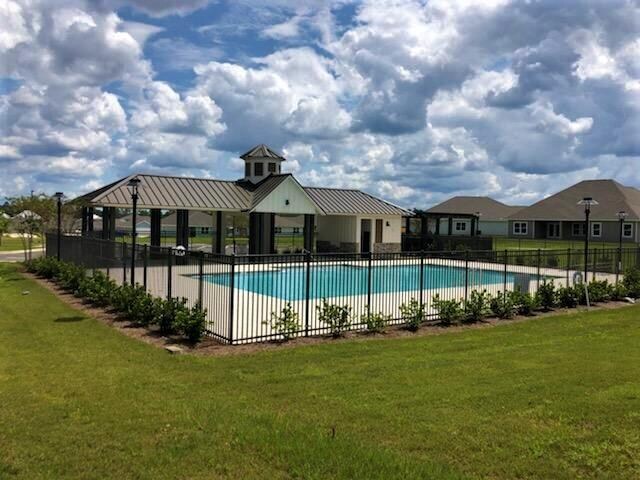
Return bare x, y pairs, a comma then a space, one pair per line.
561, 217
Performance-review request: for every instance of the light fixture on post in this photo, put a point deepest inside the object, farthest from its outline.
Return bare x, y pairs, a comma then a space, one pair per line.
477, 228
133, 189
621, 216
58, 196
587, 202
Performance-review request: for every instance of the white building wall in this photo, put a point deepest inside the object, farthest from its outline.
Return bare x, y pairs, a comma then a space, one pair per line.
287, 198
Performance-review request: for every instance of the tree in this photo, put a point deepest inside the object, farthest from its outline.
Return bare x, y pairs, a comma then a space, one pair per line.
4, 227
36, 214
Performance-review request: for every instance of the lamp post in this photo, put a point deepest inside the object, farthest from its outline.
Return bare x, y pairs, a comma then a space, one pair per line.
477, 229
621, 216
587, 202
58, 196
133, 189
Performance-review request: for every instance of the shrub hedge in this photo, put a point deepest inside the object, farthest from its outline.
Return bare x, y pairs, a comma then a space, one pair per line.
140, 307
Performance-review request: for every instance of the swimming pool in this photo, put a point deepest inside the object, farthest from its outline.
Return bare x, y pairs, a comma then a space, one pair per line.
288, 283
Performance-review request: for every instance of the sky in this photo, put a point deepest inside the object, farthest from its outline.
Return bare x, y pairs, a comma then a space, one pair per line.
414, 101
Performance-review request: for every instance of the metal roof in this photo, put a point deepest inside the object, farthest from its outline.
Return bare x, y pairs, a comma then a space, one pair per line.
611, 196
334, 201
489, 208
261, 151
157, 191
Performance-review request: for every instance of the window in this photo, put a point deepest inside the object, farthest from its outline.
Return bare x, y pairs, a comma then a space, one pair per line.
247, 169
278, 230
378, 230
577, 229
461, 226
204, 230
296, 229
627, 230
272, 167
259, 169
520, 228
596, 229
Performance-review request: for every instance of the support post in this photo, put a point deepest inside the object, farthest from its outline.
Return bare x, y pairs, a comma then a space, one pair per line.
538, 269
156, 227
421, 281
83, 220
309, 223
466, 278
220, 230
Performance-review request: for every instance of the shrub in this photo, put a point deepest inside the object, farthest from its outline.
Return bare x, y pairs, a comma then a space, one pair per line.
631, 281
191, 322
69, 276
46, 267
171, 309
600, 291
449, 311
567, 297
478, 306
284, 323
375, 322
502, 305
337, 317
523, 303
413, 313
619, 291
546, 295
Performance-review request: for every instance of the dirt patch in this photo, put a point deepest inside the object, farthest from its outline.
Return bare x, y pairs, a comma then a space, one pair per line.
212, 347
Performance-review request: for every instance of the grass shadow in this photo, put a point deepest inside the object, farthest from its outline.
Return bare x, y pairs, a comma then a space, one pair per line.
76, 318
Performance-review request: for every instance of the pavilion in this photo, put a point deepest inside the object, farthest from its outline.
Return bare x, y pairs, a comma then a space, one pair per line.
332, 219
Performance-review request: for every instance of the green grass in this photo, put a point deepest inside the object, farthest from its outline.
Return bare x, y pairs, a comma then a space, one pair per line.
502, 243
9, 243
555, 397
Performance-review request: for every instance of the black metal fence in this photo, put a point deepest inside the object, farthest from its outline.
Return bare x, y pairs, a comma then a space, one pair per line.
242, 293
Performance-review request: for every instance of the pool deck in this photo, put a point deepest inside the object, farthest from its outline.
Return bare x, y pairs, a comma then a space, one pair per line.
252, 311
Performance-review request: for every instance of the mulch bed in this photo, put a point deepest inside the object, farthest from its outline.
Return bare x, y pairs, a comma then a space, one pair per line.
212, 347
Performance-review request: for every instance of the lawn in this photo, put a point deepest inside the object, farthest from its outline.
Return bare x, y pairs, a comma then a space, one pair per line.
503, 243
554, 397
9, 243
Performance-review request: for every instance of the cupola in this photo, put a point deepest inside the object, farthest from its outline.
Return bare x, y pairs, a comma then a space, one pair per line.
260, 162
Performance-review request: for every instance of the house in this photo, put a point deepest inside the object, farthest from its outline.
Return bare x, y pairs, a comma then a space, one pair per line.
469, 216
334, 219
560, 217
143, 224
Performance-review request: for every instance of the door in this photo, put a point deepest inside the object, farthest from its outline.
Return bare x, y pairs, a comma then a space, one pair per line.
378, 230
365, 235
553, 230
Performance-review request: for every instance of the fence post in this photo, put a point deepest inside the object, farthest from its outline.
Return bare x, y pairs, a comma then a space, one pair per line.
369, 282
145, 262
124, 263
538, 270
200, 279
466, 278
568, 264
231, 288
594, 263
307, 293
421, 276
169, 274
504, 291
619, 264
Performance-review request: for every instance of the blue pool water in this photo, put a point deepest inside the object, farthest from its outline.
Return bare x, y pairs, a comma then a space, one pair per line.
288, 283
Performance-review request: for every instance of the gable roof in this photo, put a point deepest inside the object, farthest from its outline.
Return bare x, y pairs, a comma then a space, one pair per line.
611, 196
490, 209
167, 192
261, 151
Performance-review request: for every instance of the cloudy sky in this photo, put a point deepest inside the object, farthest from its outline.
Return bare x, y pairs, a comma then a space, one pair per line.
411, 100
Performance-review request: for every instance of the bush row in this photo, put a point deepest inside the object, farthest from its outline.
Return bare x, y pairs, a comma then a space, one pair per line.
171, 316
479, 305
